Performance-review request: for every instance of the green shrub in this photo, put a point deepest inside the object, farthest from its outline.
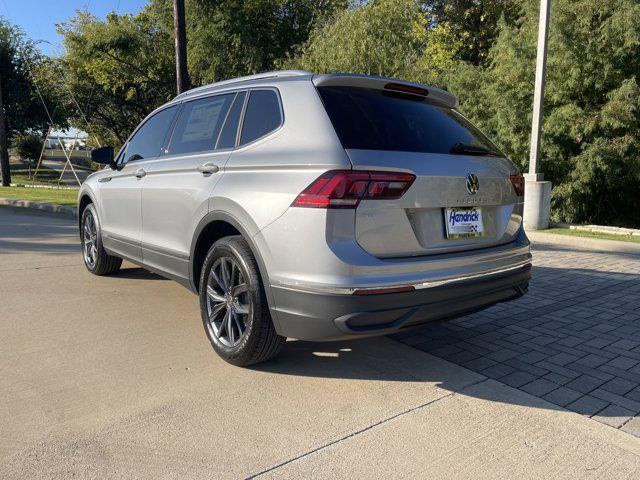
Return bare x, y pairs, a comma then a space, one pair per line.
27, 146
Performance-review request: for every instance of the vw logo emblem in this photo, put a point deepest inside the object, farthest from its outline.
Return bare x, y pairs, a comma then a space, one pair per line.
473, 185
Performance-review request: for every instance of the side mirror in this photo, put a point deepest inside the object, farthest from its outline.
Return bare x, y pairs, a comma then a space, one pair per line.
103, 156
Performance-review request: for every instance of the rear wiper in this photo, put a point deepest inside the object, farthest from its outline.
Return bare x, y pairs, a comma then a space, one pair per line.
471, 149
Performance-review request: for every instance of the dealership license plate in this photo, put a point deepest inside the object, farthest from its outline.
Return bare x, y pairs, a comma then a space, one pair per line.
463, 222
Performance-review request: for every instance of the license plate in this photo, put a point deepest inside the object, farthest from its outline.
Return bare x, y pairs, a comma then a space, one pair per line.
463, 222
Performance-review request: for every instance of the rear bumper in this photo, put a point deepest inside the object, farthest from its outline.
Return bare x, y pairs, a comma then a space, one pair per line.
308, 315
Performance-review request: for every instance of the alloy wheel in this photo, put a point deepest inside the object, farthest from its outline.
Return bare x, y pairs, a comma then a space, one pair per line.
89, 240
228, 302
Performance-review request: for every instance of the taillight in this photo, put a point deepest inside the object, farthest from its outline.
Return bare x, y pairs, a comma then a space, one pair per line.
518, 184
401, 87
345, 188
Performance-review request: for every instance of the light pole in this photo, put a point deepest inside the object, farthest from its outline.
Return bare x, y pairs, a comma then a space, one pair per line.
537, 196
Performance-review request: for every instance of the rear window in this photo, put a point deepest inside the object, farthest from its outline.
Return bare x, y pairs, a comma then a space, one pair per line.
370, 119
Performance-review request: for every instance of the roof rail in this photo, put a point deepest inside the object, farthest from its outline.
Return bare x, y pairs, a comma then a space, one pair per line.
248, 78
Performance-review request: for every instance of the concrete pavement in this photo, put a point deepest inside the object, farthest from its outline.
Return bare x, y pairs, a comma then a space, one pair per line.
113, 377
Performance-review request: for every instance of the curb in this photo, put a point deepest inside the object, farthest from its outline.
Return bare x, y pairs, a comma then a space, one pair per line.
54, 187
49, 208
596, 244
622, 231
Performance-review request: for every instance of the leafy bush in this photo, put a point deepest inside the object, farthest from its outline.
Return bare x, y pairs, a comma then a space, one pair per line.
591, 123
27, 146
394, 38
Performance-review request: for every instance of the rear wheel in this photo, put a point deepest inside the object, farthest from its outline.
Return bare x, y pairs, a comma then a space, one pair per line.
96, 259
233, 305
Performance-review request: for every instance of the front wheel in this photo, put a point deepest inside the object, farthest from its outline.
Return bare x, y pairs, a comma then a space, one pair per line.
233, 305
96, 259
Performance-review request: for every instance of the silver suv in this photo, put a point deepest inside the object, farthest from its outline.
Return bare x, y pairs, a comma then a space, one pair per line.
316, 207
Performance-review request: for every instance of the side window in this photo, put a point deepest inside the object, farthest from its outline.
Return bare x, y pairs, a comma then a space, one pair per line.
148, 140
262, 115
199, 124
227, 138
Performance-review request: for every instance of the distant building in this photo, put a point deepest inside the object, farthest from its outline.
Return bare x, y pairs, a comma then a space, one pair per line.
55, 142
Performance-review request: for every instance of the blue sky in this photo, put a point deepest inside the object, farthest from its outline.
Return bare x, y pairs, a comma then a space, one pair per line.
38, 17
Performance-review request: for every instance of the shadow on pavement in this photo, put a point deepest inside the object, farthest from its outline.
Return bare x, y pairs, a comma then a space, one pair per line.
381, 361
136, 273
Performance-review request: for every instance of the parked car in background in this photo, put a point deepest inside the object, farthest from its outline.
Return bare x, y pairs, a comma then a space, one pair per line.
316, 207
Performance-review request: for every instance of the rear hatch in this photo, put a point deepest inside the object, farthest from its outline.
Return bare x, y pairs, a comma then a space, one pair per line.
463, 196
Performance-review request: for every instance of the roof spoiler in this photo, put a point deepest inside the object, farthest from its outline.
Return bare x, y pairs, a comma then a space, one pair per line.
381, 83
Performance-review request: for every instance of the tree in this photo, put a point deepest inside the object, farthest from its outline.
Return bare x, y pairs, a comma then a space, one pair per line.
591, 124
396, 38
28, 146
231, 38
23, 80
473, 23
121, 68
118, 71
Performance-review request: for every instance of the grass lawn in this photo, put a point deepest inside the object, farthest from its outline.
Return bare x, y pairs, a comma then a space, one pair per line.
50, 195
20, 174
603, 236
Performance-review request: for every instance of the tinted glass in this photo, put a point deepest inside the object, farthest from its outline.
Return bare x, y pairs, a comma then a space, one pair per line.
262, 115
379, 120
199, 124
227, 137
150, 137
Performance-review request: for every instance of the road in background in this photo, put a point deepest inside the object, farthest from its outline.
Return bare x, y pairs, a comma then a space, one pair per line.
68, 178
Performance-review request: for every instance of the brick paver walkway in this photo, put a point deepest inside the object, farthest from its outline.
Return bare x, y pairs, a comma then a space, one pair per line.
573, 340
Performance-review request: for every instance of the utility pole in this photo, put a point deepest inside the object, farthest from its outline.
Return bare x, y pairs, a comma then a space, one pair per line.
538, 94
537, 200
179, 30
4, 152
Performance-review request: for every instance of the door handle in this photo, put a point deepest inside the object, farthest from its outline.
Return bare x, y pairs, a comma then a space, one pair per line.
140, 173
208, 168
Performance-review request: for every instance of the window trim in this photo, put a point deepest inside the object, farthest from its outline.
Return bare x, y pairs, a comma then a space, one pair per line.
241, 120
123, 152
244, 102
167, 140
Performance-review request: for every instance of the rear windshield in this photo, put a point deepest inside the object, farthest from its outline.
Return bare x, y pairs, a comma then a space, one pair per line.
372, 119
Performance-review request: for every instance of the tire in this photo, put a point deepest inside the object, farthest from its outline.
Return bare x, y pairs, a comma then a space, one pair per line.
234, 309
96, 259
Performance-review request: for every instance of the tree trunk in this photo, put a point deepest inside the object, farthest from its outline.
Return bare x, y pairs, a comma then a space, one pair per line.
4, 152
